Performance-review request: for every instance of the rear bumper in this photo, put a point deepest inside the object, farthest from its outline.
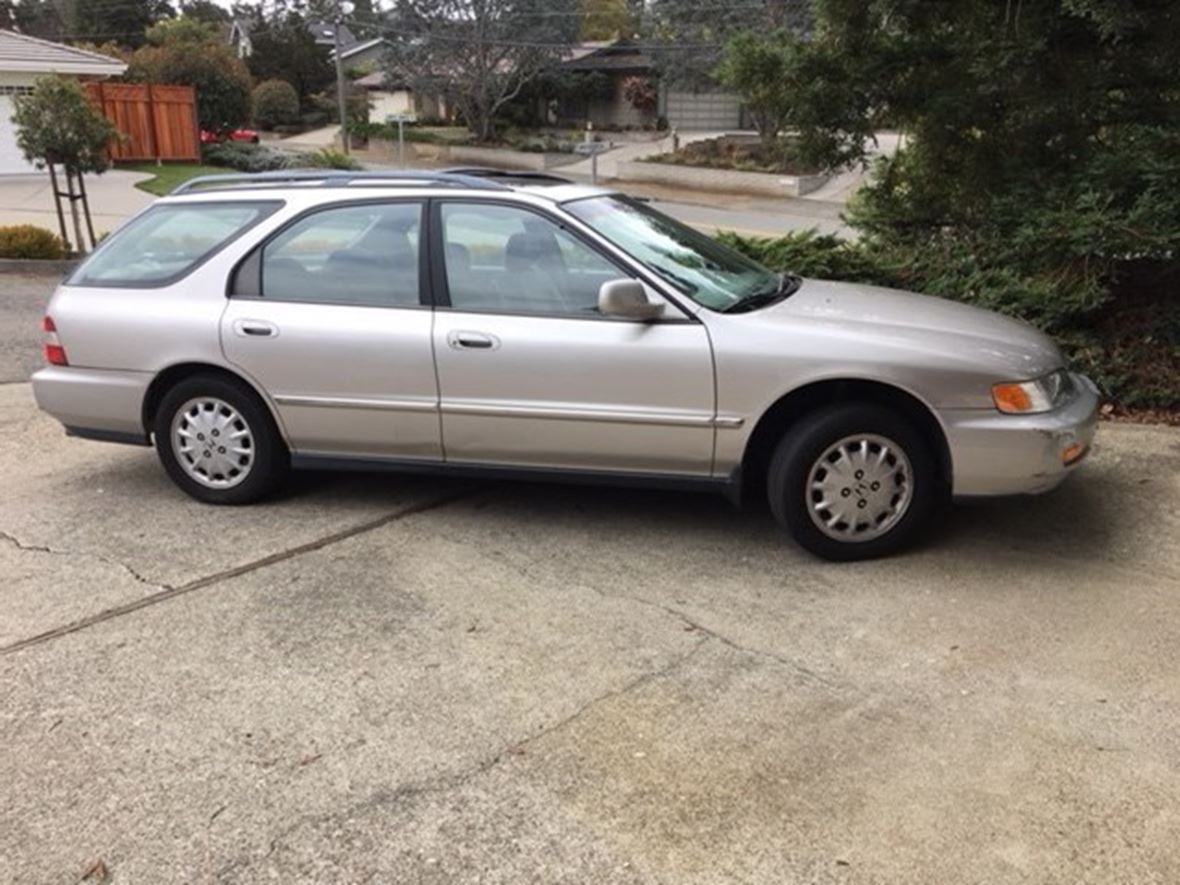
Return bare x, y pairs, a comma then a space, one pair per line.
94, 403
997, 454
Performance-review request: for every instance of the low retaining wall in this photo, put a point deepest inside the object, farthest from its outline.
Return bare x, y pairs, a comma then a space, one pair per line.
469, 155
730, 181
385, 151
49, 266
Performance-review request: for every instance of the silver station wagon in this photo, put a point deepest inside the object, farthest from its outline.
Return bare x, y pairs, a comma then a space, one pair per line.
517, 325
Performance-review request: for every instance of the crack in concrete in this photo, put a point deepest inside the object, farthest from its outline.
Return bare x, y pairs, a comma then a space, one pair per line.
456, 779
446, 782
170, 592
684, 618
97, 557
697, 626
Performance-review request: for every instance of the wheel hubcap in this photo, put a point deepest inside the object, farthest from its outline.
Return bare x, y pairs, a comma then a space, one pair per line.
212, 442
859, 488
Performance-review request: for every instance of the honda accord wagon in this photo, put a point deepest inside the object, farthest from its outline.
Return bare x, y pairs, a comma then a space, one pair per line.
517, 325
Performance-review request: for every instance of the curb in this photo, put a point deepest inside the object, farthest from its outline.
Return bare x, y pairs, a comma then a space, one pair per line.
50, 266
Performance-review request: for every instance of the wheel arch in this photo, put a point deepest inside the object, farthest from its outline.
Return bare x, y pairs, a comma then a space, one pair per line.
169, 377
794, 405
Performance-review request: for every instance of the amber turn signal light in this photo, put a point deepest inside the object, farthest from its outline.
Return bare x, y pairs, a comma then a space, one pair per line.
1012, 398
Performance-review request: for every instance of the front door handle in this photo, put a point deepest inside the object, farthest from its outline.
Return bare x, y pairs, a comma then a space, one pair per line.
460, 340
255, 329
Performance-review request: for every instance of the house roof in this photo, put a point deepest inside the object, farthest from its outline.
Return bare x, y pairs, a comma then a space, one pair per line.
357, 48
325, 34
30, 54
606, 56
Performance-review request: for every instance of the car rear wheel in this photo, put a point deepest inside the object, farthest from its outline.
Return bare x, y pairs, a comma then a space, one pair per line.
218, 442
853, 481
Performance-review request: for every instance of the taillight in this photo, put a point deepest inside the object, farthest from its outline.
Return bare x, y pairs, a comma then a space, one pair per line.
55, 354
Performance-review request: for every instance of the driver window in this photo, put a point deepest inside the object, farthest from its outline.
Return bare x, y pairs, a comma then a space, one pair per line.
499, 258
361, 255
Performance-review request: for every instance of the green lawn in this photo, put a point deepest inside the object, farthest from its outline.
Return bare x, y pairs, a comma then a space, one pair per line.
170, 175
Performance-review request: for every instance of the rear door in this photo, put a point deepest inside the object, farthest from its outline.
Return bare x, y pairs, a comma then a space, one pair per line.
530, 373
330, 317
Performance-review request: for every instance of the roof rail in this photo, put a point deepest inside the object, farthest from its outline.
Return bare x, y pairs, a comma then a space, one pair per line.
487, 173
338, 178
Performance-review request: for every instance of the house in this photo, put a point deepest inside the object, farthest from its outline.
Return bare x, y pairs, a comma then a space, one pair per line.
387, 98
616, 63
22, 61
620, 61
237, 34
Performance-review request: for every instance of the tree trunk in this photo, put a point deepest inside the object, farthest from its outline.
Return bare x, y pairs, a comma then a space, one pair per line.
61, 219
86, 211
81, 243
767, 125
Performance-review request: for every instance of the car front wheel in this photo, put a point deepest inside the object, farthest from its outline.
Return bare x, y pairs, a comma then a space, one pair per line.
853, 481
218, 442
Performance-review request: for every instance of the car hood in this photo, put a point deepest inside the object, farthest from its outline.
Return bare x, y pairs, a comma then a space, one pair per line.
937, 325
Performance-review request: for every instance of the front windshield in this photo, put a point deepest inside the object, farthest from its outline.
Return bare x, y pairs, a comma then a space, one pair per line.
712, 275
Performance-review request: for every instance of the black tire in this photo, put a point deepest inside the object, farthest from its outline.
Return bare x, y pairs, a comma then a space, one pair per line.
270, 460
804, 444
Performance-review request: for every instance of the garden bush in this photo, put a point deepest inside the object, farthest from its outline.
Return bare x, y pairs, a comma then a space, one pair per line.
414, 133
245, 157
1037, 175
275, 103
30, 241
325, 158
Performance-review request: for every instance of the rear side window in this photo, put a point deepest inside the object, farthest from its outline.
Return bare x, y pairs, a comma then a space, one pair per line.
167, 241
363, 254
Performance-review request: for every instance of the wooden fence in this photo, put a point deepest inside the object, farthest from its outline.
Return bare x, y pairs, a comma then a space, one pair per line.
157, 122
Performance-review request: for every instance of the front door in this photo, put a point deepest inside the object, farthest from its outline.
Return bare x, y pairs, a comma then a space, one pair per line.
531, 375
329, 318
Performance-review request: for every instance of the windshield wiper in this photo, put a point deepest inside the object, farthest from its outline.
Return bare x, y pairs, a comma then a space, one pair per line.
787, 286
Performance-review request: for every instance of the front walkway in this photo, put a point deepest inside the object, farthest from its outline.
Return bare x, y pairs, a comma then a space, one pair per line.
608, 162
312, 140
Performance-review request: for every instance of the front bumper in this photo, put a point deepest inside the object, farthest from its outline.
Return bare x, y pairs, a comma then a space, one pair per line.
94, 403
997, 454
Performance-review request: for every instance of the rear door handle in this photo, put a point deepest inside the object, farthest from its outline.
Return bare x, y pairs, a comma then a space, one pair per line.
460, 340
255, 329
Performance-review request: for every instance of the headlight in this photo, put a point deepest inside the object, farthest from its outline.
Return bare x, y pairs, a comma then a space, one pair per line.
1030, 397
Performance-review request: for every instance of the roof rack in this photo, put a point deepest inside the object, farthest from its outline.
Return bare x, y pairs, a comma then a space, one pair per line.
339, 178
487, 173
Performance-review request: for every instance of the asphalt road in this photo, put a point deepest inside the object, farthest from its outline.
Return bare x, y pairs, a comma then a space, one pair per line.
388, 679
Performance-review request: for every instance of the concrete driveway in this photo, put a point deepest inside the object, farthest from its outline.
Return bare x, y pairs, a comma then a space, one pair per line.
113, 196
388, 679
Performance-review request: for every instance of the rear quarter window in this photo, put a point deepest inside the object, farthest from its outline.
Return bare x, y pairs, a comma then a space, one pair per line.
168, 241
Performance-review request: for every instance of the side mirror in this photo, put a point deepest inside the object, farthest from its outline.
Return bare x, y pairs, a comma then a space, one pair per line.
627, 299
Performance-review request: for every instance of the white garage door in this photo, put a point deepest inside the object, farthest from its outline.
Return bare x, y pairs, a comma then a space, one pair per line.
11, 160
703, 110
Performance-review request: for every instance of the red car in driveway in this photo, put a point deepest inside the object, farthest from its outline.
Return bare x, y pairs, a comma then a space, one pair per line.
210, 137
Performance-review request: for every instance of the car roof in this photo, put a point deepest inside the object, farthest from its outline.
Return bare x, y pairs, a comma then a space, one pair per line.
324, 185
